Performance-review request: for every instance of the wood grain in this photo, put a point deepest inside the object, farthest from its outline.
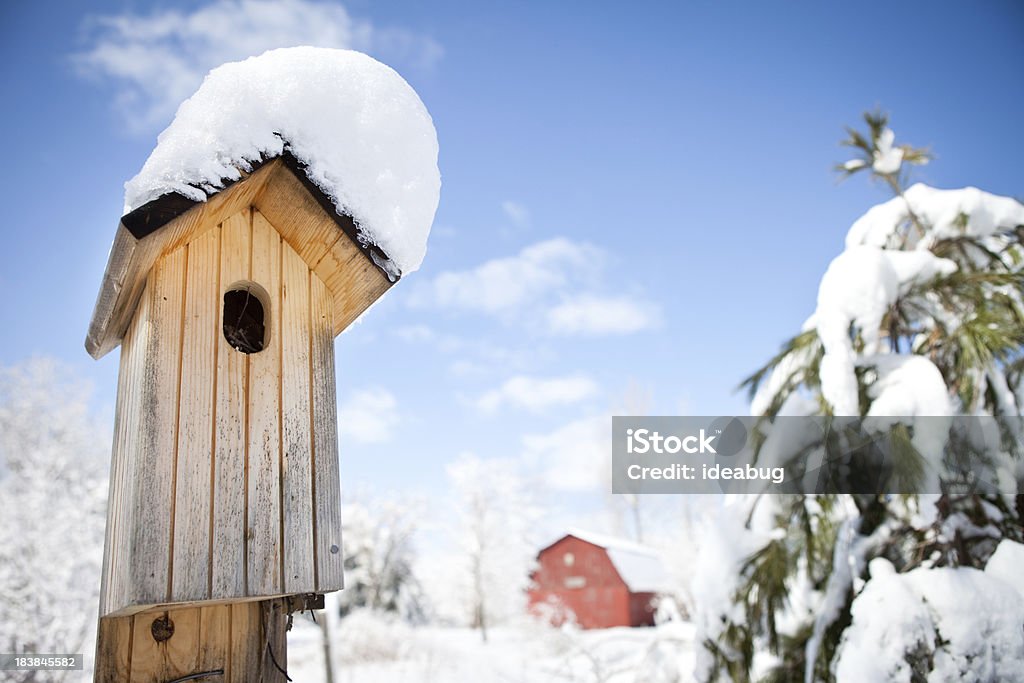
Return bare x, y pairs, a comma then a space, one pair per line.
113, 591
229, 469
297, 215
160, 661
181, 652
264, 439
355, 282
224, 481
327, 482
193, 499
279, 194
274, 616
247, 643
132, 260
151, 510
296, 437
113, 650
214, 637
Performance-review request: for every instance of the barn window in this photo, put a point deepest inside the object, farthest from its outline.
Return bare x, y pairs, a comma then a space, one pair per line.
569, 559
245, 317
575, 582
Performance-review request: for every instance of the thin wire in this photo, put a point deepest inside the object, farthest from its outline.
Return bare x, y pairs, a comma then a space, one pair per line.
270, 650
201, 674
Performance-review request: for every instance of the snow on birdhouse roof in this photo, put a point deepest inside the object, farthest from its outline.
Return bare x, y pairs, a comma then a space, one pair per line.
639, 566
333, 148
360, 132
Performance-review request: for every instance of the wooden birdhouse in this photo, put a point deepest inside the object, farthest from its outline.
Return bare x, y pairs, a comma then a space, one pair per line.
224, 496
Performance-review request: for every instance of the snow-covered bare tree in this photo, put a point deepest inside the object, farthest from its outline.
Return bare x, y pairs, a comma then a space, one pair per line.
921, 315
497, 516
378, 534
53, 463
628, 512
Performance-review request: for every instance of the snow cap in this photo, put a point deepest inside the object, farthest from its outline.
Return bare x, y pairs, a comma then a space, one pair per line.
366, 139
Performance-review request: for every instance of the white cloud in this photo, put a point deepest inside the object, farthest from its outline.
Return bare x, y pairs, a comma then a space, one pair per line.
538, 393
516, 212
156, 60
575, 457
552, 287
368, 416
505, 285
415, 334
468, 368
592, 315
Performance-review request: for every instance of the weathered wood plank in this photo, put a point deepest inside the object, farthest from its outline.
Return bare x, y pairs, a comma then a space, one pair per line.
192, 528
231, 638
146, 657
274, 616
153, 660
299, 218
214, 637
246, 643
131, 260
113, 650
355, 282
306, 225
215, 210
326, 478
264, 501
152, 504
296, 436
181, 651
146, 663
119, 264
229, 505
297, 214
113, 594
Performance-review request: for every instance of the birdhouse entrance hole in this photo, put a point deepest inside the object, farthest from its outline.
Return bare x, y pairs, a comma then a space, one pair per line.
245, 317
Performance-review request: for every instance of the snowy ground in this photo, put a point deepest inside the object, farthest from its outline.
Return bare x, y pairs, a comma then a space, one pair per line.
365, 648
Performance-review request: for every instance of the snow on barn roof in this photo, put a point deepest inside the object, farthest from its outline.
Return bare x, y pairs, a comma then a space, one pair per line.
640, 566
360, 131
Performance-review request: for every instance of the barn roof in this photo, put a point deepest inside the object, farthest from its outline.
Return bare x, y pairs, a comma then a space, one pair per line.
639, 566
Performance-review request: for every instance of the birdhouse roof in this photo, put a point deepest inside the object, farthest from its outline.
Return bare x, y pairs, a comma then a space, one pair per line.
334, 148
356, 272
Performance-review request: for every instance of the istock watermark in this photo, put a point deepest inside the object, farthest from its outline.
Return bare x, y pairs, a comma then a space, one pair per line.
647, 441
875, 455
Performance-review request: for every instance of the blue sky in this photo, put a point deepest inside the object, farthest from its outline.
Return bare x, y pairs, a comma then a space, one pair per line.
668, 165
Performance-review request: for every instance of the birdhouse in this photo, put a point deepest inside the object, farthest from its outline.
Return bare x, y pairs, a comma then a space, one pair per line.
288, 194
224, 479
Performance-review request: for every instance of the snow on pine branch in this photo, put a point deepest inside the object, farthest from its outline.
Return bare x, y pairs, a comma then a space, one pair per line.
946, 214
886, 158
922, 314
954, 623
889, 253
858, 288
366, 138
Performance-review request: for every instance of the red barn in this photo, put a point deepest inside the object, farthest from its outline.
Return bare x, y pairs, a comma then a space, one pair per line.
604, 581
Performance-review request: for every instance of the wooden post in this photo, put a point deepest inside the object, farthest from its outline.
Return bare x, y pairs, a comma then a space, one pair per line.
224, 510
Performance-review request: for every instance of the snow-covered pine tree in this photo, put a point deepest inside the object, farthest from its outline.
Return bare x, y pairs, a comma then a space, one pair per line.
921, 315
